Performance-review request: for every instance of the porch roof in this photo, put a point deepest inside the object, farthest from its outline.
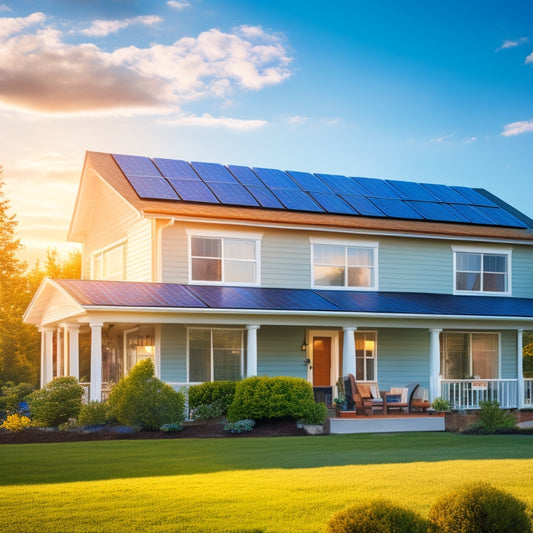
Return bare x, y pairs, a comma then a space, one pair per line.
97, 294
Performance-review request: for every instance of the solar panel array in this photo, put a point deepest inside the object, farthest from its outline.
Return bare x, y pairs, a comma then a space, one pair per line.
212, 183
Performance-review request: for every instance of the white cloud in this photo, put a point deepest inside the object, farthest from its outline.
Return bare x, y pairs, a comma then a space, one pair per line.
3, 7
512, 44
180, 6
101, 28
529, 58
469, 140
297, 120
41, 73
332, 121
208, 121
517, 128
443, 139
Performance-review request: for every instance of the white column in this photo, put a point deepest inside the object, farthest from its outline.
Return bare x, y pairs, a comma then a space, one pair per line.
96, 361
251, 350
434, 364
66, 366
520, 370
48, 355
43, 360
74, 350
60, 370
348, 351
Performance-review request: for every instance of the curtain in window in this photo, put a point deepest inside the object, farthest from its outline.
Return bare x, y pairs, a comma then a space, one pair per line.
199, 355
485, 356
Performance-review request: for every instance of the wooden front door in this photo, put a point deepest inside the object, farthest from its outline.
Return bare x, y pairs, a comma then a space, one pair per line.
321, 361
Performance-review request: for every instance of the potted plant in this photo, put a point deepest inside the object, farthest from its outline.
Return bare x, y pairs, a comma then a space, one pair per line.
440, 406
341, 402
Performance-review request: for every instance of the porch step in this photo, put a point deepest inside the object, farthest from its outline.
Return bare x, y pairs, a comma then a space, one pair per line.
385, 424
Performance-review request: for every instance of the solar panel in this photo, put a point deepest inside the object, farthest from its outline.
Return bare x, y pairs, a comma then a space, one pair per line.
135, 165
437, 211
412, 191
275, 179
175, 168
474, 215
377, 188
265, 197
333, 203
363, 205
309, 182
193, 191
152, 188
445, 194
232, 193
340, 184
213, 172
245, 175
501, 217
474, 197
296, 200
395, 208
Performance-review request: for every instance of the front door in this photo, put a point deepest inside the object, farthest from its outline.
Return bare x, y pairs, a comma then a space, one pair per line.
321, 361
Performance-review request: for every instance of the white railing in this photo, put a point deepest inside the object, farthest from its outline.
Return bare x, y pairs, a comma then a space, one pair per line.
106, 389
528, 392
467, 393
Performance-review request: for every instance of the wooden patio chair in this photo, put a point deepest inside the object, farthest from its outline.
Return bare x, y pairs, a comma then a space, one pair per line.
400, 398
366, 397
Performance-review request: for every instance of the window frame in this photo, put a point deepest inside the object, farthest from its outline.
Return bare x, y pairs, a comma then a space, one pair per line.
374, 357
212, 366
370, 245
99, 263
482, 251
224, 235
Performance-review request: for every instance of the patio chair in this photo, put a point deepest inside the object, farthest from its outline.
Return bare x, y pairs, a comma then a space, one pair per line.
366, 397
400, 398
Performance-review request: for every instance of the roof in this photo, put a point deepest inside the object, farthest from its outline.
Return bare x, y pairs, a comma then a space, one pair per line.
176, 188
122, 294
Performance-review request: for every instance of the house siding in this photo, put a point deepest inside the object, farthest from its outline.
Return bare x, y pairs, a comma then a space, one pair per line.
522, 280
173, 353
508, 357
279, 352
139, 252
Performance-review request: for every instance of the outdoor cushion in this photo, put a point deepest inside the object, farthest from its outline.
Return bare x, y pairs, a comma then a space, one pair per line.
364, 390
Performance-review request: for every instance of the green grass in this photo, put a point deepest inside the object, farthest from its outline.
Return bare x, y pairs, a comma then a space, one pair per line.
274, 485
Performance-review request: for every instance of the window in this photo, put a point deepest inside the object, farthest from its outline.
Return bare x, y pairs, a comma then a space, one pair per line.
468, 355
482, 271
224, 260
365, 356
215, 355
344, 265
110, 264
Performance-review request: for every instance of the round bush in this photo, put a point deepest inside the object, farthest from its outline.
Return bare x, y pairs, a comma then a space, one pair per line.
479, 508
220, 393
56, 402
94, 413
380, 516
143, 401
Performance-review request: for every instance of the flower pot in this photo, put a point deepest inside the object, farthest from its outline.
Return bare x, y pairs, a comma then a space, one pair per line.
345, 414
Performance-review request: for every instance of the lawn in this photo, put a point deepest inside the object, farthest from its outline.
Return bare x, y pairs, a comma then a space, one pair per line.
262, 484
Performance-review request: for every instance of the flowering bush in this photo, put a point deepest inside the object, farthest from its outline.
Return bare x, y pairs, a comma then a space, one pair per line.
16, 422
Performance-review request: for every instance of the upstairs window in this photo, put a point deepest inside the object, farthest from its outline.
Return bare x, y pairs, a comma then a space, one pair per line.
224, 260
344, 266
482, 272
110, 264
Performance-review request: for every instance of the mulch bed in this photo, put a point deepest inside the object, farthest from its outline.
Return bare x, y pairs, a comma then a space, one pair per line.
271, 428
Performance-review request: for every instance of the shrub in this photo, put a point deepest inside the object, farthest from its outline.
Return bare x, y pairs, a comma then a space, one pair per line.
240, 426
13, 395
207, 411
143, 401
16, 422
440, 404
379, 516
491, 418
315, 414
56, 402
220, 392
479, 508
171, 428
93, 414
261, 398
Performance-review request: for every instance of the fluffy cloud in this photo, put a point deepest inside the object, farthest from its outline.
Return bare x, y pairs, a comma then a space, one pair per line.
517, 128
100, 28
40, 72
512, 44
178, 5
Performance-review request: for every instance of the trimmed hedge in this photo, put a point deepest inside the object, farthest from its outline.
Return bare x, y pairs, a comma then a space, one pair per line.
380, 516
219, 392
479, 508
143, 401
261, 398
93, 414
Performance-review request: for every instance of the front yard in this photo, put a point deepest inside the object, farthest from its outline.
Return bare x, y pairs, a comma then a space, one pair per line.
263, 484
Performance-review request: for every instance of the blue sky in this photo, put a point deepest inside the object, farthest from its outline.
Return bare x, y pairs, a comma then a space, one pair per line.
437, 91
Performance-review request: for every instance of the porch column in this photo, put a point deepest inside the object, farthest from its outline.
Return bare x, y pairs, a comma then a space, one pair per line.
520, 369
66, 366
434, 364
48, 355
74, 349
96, 361
251, 350
348, 351
41, 373
60, 370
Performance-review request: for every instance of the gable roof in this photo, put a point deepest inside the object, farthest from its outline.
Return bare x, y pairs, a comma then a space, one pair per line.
167, 188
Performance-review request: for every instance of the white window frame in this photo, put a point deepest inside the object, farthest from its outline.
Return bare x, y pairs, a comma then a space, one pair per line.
372, 245
508, 252
99, 256
225, 235
212, 360
375, 356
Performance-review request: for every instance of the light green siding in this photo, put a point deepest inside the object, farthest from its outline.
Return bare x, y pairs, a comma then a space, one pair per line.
508, 356
173, 353
522, 272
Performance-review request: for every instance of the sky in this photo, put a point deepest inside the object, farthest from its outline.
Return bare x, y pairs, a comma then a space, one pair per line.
438, 92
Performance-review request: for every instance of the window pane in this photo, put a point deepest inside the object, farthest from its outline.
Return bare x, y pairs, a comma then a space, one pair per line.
360, 277
328, 276
199, 355
470, 262
326, 254
360, 369
370, 369
227, 355
114, 263
466, 281
239, 249
206, 247
485, 355
206, 269
495, 282
240, 271
455, 364
495, 263
360, 257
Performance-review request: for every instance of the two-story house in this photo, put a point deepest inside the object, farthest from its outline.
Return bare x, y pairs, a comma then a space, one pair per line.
220, 272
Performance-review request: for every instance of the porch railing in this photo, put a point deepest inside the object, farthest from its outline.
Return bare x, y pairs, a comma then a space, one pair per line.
467, 393
528, 392
106, 389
